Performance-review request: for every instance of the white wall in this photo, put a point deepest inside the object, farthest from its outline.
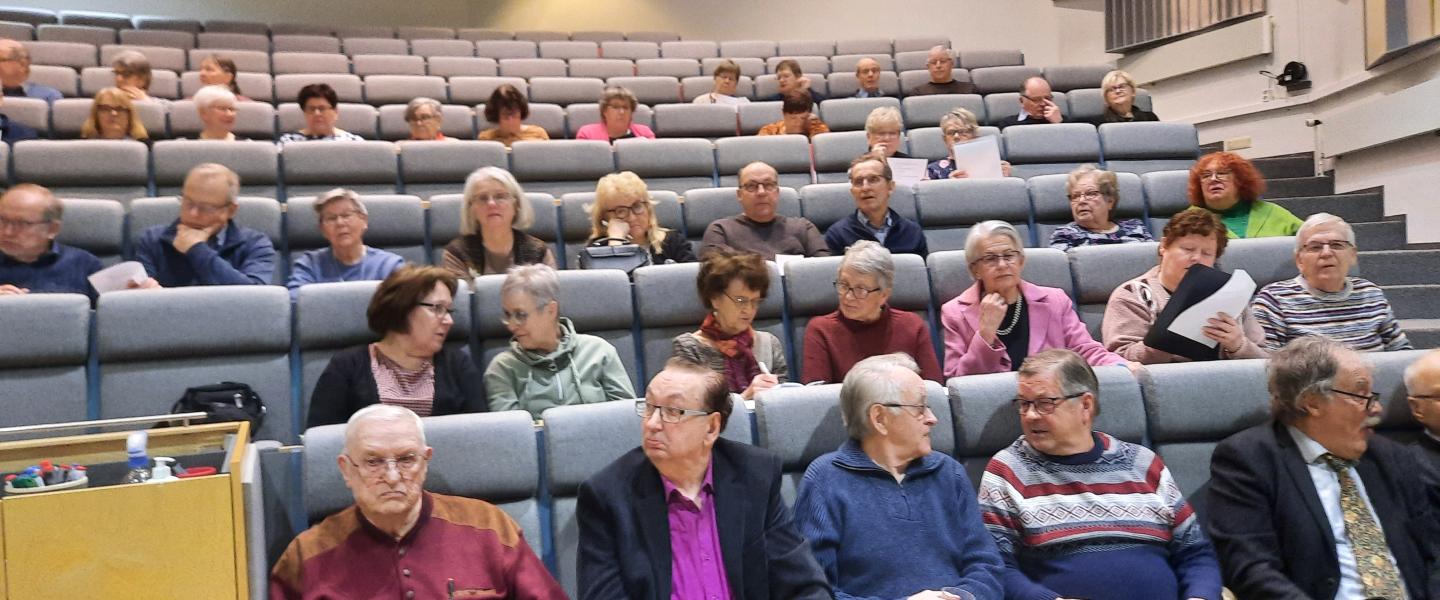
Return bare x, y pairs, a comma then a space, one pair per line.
447, 13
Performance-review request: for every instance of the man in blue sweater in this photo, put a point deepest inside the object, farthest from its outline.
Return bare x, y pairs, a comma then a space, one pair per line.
885, 516
204, 246
871, 183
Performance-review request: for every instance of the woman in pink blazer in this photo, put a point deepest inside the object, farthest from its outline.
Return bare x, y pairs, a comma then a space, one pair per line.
617, 118
994, 324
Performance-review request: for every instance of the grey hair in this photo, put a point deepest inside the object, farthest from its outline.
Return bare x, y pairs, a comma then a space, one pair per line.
340, 194
941, 48
870, 382
416, 104
960, 116
1320, 219
382, 412
882, 116
983, 230
1430, 360
615, 92
539, 282
232, 181
1305, 366
1069, 368
868, 257
524, 215
1108, 183
207, 96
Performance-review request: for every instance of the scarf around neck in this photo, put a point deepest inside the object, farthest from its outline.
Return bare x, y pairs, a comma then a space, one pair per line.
738, 349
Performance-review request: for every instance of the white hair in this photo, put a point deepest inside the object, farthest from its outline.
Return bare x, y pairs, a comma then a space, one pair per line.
1429, 360
868, 257
871, 381
984, 230
382, 412
539, 282
1320, 219
207, 96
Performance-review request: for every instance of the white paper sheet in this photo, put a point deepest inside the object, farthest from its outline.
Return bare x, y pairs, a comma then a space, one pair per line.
979, 158
907, 171
118, 277
1231, 299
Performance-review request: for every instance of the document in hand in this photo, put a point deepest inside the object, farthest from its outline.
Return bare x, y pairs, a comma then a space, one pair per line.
118, 277
1203, 293
907, 171
979, 158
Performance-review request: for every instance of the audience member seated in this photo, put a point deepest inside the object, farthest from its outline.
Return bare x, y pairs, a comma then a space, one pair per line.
796, 118
623, 213
112, 117
886, 515
506, 110
727, 77
412, 311
425, 120
958, 125
1193, 237
204, 246
1078, 513
617, 118
941, 64
548, 363
1037, 105
448, 546
732, 286
14, 131
759, 228
871, 183
1119, 90
1230, 186
867, 74
216, 106
1313, 504
865, 325
1001, 319
343, 221
319, 103
1324, 299
882, 132
687, 514
1422, 388
31, 261
15, 74
792, 81
492, 218
221, 71
1093, 194
132, 74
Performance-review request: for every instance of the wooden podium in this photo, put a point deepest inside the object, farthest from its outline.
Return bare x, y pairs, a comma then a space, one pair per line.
177, 539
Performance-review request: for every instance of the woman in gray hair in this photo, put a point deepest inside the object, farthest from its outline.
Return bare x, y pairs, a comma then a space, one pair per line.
865, 325
492, 223
343, 221
425, 120
548, 363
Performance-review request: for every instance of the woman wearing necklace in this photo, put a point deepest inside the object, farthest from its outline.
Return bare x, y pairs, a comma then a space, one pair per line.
994, 324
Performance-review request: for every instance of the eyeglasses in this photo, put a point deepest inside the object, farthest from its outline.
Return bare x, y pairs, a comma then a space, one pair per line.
624, 212
1042, 406
1216, 175
497, 198
518, 317
867, 180
757, 187
109, 110
317, 109
1370, 400
1423, 396
19, 224
959, 131
895, 133
424, 118
920, 409
1086, 195
1117, 88
1336, 246
200, 207
859, 293
376, 466
668, 414
618, 107
439, 311
349, 215
743, 303
991, 260
939, 61
1045, 98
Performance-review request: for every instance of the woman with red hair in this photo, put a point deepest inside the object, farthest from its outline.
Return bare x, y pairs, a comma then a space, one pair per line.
1229, 186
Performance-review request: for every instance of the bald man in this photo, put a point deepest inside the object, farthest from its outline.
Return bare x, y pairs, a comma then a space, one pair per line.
867, 74
1422, 387
31, 261
15, 74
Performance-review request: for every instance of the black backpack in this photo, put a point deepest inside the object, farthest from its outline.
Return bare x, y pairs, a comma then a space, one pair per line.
224, 402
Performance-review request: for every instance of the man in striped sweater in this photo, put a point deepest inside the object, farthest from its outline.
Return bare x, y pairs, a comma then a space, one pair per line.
1079, 514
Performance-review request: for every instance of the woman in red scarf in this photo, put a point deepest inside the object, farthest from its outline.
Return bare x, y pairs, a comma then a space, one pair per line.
732, 285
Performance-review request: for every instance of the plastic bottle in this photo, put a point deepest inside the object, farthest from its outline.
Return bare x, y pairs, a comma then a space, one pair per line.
162, 471
139, 462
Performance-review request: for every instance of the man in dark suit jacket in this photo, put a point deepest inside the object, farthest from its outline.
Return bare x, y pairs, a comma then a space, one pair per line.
724, 496
1278, 494
1037, 105
1422, 386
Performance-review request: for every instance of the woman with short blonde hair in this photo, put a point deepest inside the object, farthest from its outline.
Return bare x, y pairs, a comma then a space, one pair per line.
623, 212
1119, 92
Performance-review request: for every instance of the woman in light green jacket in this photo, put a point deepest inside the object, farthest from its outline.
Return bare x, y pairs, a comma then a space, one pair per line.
1230, 186
548, 364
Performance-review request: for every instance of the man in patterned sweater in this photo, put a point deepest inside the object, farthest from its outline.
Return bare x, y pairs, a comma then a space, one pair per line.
1079, 514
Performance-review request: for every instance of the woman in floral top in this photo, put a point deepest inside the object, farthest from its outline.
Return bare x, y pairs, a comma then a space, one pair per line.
1093, 194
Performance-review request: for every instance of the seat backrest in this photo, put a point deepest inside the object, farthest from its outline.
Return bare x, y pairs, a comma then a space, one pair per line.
808, 63
502, 49
1051, 203
658, 37
748, 49
1267, 260
563, 90
919, 43
1146, 147
285, 63
926, 111
975, 59
305, 43
632, 50
788, 154
825, 48
754, 115
696, 120
864, 46
257, 163
950, 207
989, 80
114, 169
96, 226
456, 121
666, 308
329, 317
694, 86
561, 165
356, 46
230, 26
456, 66
247, 61
950, 272
33, 112
17, 31
845, 62
33, 16
1100, 269
348, 88
706, 205
79, 34
93, 18
160, 57
359, 119
767, 87
43, 360
429, 168
383, 32
1183, 433
670, 67
168, 24
689, 49
163, 85
63, 54
366, 167
1064, 78
432, 48
447, 212
1047, 149
824, 204
478, 34
399, 89
749, 66
254, 120
64, 79
810, 291
835, 150
651, 90
845, 84
566, 50
396, 224
388, 64
417, 33
1165, 194
303, 29
211, 40
477, 90
676, 164
599, 36
601, 68
929, 143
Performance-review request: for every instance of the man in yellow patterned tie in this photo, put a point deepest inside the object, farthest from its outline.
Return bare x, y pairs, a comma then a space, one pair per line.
1313, 504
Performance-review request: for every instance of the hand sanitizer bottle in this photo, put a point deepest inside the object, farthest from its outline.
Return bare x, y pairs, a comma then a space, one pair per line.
139, 462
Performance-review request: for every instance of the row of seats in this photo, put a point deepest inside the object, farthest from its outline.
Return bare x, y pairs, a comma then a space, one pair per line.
145, 347
122, 170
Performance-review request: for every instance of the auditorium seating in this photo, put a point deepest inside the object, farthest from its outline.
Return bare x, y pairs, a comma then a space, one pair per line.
96, 226
810, 292
44, 359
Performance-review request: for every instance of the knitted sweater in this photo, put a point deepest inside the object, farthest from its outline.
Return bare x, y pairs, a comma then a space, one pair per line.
834, 343
1358, 316
1105, 524
878, 538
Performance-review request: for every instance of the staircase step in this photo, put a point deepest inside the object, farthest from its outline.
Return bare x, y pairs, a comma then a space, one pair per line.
1381, 235
1401, 267
1292, 187
1414, 301
1423, 333
1293, 165
1354, 208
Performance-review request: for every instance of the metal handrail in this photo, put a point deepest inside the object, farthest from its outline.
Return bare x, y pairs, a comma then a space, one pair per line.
183, 418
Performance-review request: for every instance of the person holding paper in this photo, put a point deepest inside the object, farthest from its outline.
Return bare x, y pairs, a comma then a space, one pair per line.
624, 213
871, 183
1324, 299
1230, 186
204, 246
31, 261
941, 64
796, 119
959, 125
1001, 319
1191, 238
882, 132
759, 228
1037, 105
867, 74
1093, 194
343, 221
731, 286
1119, 90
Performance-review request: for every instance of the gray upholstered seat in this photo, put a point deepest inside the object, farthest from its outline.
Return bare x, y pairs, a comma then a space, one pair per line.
64, 79
835, 150
695, 120
1189, 414
650, 90
563, 90
63, 54
1064, 78
160, 57
144, 23
78, 34
246, 61
845, 84
114, 169
1051, 204
748, 49
1165, 195
254, 120
929, 142
1100, 269
477, 34
363, 31
749, 66
754, 115
632, 50
355, 46
1267, 259
825, 48
925, 111
399, 89
1146, 147
359, 119
348, 88
950, 207
287, 63
259, 214
566, 50
302, 29
163, 84
864, 46
34, 112
976, 59
43, 359
456, 121
689, 49
96, 226
990, 80
810, 292
257, 163
845, 62
808, 63
456, 66
430, 168
788, 154
33, 16
211, 40
675, 165
366, 167
304, 43
476, 90
389, 64
679, 68
658, 37
561, 166
231, 26
396, 224
447, 211
601, 68
1048, 149
575, 218
503, 49
412, 33
665, 308
431, 48
919, 43
599, 36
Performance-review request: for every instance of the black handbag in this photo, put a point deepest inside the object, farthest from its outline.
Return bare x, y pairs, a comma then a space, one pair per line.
624, 257
223, 402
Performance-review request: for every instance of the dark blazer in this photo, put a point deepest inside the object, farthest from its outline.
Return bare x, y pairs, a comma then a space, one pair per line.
1271, 532
625, 530
1427, 450
1136, 116
347, 385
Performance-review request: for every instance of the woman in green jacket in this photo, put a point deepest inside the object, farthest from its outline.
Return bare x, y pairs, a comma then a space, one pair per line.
548, 364
1229, 186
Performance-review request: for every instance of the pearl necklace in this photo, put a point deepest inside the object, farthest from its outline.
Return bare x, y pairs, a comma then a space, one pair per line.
1019, 306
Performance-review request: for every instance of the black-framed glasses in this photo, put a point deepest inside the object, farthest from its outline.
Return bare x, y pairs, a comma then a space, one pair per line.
756, 187
624, 212
1043, 406
1045, 98
668, 414
859, 293
1336, 246
1370, 400
959, 132
440, 311
376, 466
990, 260
20, 224
920, 409
867, 180
1086, 195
